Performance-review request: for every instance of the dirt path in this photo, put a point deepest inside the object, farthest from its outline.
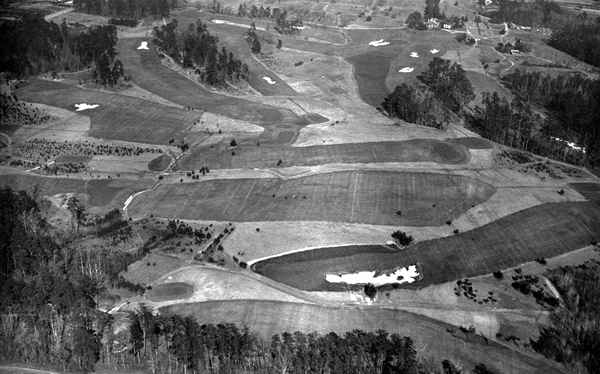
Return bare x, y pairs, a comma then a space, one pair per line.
19, 369
51, 16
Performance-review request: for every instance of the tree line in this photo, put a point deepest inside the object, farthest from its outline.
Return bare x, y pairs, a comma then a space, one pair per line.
31, 46
196, 48
130, 9
545, 13
579, 39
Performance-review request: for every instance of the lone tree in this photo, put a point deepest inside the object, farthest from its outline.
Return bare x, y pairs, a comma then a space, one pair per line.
402, 238
370, 291
415, 21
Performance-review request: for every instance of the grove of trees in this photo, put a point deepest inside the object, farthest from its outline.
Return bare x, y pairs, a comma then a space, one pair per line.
31, 46
580, 40
197, 48
442, 91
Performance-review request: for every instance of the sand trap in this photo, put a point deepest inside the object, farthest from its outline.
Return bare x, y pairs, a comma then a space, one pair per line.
269, 80
143, 45
434, 51
85, 106
406, 70
402, 275
378, 43
414, 55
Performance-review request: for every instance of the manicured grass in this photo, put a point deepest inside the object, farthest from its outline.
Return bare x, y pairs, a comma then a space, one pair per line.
147, 71
170, 291
118, 117
543, 231
267, 318
249, 155
472, 142
590, 191
371, 70
374, 197
160, 163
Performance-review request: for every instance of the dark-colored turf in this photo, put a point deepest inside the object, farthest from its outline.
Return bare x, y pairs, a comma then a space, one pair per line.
170, 291
249, 155
542, 231
590, 191
371, 70
472, 142
267, 318
160, 163
373, 197
118, 117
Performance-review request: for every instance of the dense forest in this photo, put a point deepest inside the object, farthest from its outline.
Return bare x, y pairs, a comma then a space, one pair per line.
412, 104
131, 9
197, 48
580, 40
529, 13
572, 105
574, 336
32, 46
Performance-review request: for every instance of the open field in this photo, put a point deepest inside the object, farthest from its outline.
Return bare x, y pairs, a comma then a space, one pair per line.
542, 231
249, 155
118, 117
362, 197
431, 337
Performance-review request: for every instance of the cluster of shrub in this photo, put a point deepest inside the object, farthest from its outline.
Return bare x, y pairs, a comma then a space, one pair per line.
509, 47
197, 48
31, 46
528, 284
128, 9
42, 150
15, 113
443, 89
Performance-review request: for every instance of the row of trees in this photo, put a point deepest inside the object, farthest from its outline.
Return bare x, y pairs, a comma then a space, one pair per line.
31, 46
197, 48
131, 9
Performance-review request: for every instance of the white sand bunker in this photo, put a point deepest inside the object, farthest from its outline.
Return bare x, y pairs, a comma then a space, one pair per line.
414, 55
406, 70
378, 43
269, 80
434, 51
85, 106
402, 275
143, 45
